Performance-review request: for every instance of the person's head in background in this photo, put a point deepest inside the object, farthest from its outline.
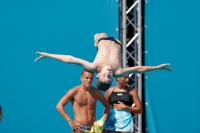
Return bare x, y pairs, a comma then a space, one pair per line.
122, 82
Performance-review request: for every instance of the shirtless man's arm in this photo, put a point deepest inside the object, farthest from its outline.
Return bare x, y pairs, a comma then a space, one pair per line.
63, 101
106, 104
67, 59
98, 125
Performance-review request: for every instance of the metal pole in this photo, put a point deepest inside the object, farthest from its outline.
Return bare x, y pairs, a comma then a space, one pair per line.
140, 59
124, 32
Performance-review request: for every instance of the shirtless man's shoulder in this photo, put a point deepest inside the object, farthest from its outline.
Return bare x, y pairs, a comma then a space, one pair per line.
95, 92
72, 92
75, 89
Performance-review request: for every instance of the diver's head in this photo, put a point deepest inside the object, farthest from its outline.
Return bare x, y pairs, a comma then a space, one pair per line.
104, 77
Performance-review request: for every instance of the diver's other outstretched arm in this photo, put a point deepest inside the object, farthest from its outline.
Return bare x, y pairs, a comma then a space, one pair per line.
142, 69
67, 59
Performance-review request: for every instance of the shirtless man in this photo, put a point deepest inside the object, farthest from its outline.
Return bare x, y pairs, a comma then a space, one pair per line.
84, 98
107, 63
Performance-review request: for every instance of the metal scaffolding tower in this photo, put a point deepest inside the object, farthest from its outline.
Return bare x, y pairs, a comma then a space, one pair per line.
131, 38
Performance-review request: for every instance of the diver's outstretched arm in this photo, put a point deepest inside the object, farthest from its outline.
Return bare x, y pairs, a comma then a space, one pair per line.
67, 59
142, 69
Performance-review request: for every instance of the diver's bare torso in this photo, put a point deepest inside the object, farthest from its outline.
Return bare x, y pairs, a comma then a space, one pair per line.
108, 53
